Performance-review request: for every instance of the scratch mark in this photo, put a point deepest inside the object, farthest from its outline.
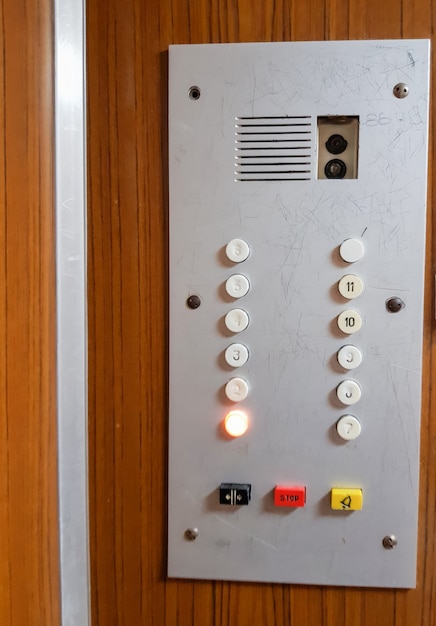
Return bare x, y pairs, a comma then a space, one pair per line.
411, 59
249, 535
406, 369
401, 419
364, 231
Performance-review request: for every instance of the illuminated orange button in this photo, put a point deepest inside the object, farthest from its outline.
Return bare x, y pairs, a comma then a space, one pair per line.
289, 496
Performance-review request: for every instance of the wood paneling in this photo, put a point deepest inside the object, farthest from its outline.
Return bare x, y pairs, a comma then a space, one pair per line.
29, 589
127, 44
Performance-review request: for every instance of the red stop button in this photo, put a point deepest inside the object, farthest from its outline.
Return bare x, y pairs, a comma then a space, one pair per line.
289, 496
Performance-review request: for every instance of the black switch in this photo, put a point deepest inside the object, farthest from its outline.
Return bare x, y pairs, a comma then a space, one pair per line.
235, 494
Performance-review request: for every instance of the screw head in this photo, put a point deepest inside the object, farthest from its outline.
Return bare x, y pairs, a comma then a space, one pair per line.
194, 93
191, 534
193, 302
394, 304
401, 90
389, 542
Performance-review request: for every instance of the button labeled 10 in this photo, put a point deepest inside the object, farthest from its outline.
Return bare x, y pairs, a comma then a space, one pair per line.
349, 322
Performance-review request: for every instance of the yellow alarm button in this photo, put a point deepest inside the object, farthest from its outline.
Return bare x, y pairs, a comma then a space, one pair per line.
346, 499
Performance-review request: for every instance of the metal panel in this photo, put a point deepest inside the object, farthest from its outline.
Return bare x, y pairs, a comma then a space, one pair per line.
294, 228
71, 311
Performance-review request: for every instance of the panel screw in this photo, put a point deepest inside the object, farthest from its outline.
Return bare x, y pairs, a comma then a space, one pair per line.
194, 93
389, 542
193, 302
401, 90
394, 304
192, 533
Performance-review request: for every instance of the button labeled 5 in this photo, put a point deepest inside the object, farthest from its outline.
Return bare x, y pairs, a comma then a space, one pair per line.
237, 285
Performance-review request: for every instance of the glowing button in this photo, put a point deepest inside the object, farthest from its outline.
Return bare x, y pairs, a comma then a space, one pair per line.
236, 423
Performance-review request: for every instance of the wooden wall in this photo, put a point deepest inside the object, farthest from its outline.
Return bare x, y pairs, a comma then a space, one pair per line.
29, 588
127, 75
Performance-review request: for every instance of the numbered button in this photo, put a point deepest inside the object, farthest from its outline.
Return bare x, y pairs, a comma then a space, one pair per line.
350, 286
348, 427
349, 357
236, 320
237, 286
237, 250
348, 392
351, 250
349, 322
236, 389
236, 355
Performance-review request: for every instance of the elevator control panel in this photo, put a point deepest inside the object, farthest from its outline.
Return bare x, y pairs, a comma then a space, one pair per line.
297, 201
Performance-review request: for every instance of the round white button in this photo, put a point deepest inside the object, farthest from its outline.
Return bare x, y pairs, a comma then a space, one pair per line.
350, 286
237, 286
236, 389
351, 250
348, 392
236, 354
348, 427
349, 357
236, 320
349, 322
237, 250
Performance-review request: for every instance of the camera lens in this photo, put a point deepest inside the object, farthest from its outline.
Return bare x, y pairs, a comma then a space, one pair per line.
336, 144
335, 169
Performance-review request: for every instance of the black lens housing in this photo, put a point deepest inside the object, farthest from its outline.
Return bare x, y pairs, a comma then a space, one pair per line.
335, 169
336, 144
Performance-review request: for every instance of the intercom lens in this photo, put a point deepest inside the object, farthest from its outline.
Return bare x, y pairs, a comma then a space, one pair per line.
335, 169
336, 144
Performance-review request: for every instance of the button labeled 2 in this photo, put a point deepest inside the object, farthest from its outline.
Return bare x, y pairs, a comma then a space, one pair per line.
236, 389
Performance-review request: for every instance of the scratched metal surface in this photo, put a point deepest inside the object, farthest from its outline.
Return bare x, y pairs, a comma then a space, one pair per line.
294, 229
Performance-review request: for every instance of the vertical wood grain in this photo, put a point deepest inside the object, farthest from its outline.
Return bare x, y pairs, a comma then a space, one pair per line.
29, 589
127, 44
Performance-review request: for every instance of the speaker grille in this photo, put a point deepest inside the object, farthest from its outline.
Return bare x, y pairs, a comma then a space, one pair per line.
273, 148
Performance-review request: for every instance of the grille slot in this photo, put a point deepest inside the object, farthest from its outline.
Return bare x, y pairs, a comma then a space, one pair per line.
273, 148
